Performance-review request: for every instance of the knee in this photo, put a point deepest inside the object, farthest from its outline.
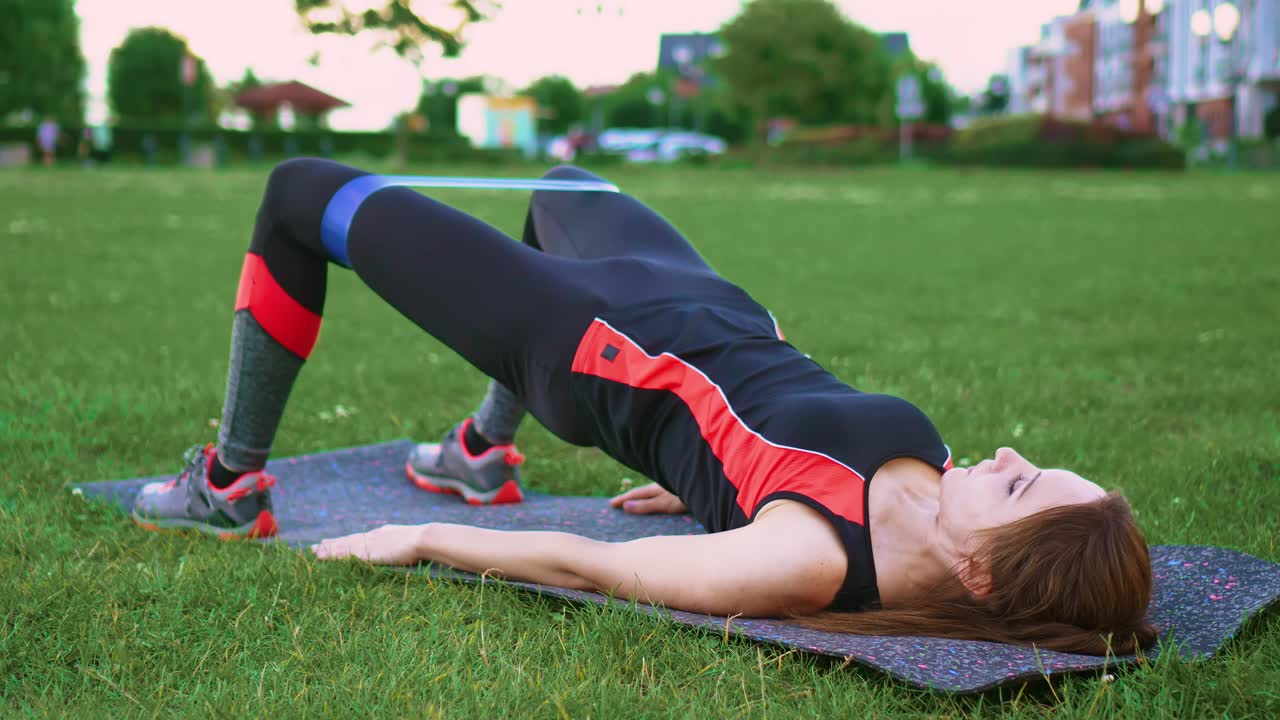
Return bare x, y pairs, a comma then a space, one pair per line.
298, 191
295, 198
289, 179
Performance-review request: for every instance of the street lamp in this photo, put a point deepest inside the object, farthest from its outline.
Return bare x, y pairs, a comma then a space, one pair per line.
1130, 11
1201, 23
1226, 20
1223, 22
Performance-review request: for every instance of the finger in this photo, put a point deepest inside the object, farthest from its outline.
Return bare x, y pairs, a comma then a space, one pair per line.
646, 506
338, 548
632, 494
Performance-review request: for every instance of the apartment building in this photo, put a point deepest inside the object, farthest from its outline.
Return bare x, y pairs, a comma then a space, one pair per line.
1223, 66
1150, 65
1129, 66
1055, 76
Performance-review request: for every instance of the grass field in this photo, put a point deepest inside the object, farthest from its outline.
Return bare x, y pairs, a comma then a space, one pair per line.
1125, 326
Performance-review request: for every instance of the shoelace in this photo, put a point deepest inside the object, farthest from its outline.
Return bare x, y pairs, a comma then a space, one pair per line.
190, 459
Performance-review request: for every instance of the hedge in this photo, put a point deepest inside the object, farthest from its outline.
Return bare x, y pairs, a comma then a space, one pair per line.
130, 144
1035, 141
1020, 141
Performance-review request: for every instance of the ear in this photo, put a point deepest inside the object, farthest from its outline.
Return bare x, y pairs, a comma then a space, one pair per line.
975, 576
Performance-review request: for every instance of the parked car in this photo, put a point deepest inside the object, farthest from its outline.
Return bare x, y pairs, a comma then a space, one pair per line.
659, 145
677, 145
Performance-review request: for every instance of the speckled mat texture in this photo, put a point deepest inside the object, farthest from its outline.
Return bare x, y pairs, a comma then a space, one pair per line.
1203, 594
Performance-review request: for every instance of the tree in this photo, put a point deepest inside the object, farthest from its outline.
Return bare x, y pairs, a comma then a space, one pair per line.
223, 98
1271, 123
41, 66
400, 24
147, 78
438, 104
641, 102
803, 59
938, 95
995, 99
559, 103
935, 93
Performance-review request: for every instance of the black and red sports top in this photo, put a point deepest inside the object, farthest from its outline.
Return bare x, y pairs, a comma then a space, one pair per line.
705, 397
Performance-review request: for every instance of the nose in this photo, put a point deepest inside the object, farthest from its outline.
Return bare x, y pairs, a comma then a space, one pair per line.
1006, 457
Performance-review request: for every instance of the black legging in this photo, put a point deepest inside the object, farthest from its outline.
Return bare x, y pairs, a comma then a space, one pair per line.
513, 312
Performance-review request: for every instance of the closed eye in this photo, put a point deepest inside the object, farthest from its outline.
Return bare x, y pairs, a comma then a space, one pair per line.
1025, 487
1014, 482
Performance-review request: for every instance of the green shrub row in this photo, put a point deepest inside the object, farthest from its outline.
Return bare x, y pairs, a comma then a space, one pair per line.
1036, 141
1019, 141
163, 145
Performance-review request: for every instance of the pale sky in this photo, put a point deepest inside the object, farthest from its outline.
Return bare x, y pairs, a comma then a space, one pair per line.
526, 39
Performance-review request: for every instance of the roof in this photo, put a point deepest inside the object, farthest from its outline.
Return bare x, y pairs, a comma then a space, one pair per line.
896, 43
301, 97
679, 50
685, 54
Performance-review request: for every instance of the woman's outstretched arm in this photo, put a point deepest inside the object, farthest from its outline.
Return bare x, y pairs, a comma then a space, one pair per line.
793, 564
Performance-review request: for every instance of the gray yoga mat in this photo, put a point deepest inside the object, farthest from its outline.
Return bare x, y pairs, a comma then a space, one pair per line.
1202, 594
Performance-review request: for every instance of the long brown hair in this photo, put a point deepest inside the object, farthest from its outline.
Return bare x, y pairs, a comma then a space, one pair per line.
1074, 578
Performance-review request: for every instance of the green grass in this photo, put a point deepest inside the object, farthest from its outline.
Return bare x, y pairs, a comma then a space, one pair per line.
1121, 325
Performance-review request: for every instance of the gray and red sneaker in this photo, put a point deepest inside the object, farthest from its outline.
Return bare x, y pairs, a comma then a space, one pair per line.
190, 502
490, 478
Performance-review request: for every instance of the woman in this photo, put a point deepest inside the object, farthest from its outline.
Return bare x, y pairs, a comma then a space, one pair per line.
611, 330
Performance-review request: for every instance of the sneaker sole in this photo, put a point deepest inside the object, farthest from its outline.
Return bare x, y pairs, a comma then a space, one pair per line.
264, 526
509, 492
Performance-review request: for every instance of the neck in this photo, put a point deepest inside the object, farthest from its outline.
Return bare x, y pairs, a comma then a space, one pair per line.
903, 511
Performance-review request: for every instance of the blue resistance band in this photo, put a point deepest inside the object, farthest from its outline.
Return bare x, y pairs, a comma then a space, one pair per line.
342, 207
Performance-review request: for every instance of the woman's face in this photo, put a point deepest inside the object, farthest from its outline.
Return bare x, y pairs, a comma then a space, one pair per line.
1000, 491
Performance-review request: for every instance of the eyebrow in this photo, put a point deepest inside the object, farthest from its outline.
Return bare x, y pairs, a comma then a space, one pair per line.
1026, 487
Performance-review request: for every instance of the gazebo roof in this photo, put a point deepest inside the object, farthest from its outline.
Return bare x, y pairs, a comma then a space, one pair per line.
302, 97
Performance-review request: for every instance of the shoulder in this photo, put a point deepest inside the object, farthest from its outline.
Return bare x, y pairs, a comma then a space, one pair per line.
814, 547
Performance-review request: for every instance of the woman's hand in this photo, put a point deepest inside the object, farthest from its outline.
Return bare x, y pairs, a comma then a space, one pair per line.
648, 500
387, 545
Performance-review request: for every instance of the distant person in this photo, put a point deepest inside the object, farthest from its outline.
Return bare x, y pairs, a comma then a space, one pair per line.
150, 149
579, 141
609, 328
101, 143
84, 149
47, 136
561, 149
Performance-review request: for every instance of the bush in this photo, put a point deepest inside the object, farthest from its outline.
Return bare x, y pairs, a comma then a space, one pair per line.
846, 145
129, 143
1043, 142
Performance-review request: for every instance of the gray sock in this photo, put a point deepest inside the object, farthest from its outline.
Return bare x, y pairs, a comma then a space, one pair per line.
258, 384
499, 415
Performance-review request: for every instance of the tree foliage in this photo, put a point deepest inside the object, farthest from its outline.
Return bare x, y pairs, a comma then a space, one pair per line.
438, 104
224, 98
402, 25
145, 79
1271, 123
938, 96
41, 66
804, 59
995, 99
651, 100
629, 104
559, 103
935, 93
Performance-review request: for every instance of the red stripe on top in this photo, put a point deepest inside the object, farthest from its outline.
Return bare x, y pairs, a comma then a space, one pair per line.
285, 319
755, 466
